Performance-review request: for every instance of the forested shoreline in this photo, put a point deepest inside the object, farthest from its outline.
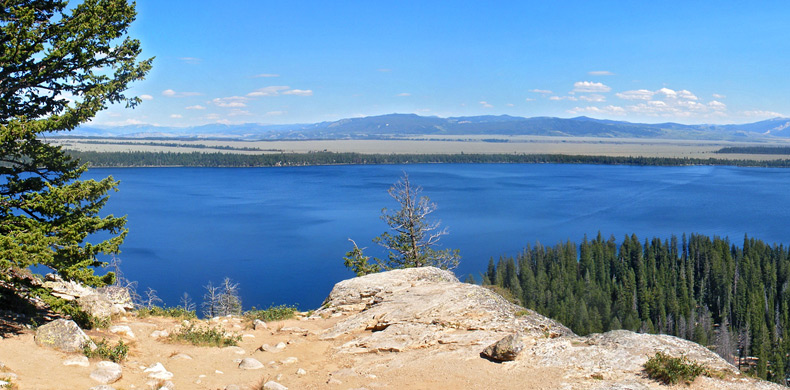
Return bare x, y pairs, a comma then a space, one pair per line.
733, 299
199, 159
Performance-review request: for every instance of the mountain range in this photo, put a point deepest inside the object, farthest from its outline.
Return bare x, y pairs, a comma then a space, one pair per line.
397, 126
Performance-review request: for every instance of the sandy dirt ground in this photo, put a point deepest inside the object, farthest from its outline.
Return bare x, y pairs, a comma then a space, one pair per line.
216, 368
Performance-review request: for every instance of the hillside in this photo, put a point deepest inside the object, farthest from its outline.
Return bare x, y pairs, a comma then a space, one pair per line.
406, 329
410, 125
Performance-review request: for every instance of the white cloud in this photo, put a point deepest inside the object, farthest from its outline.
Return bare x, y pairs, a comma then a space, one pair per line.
543, 91
639, 94
558, 98
403, 94
717, 105
718, 96
590, 86
195, 107
172, 93
274, 113
529, 99
268, 91
600, 73
607, 110
146, 97
510, 105
486, 105
230, 101
266, 75
212, 116
191, 60
299, 92
762, 114
593, 98
237, 112
175, 116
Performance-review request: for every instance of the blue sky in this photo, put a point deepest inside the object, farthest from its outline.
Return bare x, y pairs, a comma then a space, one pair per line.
244, 61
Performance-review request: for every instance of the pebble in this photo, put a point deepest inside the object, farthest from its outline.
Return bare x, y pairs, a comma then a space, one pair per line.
102, 387
158, 371
272, 385
181, 356
250, 364
81, 361
280, 345
301, 372
289, 360
258, 324
159, 333
107, 372
122, 329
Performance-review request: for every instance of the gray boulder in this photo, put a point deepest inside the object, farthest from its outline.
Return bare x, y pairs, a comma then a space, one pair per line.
119, 296
506, 349
63, 335
250, 364
98, 306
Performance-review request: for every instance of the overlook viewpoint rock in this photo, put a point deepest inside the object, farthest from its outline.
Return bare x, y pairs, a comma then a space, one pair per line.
417, 328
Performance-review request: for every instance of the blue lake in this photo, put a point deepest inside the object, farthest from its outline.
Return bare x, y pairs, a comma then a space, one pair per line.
281, 233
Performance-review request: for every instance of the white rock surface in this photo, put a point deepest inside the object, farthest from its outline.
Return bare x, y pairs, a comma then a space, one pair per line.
81, 361
107, 372
158, 371
272, 385
250, 364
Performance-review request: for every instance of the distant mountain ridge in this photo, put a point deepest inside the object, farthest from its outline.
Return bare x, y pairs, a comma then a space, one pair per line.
394, 126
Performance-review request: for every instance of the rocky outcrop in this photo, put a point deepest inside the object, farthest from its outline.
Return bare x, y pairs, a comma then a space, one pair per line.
419, 307
99, 302
429, 309
63, 335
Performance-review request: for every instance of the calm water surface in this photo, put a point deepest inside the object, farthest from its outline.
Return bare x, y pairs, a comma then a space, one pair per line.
282, 232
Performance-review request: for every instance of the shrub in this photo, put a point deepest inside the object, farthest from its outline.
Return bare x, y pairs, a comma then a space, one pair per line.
671, 370
174, 312
105, 351
273, 313
205, 336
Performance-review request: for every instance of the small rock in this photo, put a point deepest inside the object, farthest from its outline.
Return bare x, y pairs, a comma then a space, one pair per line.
218, 372
301, 372
289, 360
158, 371
280, 345
506, 349
236, 350
272, 385
123, 329
246, 336
167, 386
81, 361
250, 364
159, 333
107, 372
102, 387
258, 324
232, 387
4, 383
181, 356
63, 335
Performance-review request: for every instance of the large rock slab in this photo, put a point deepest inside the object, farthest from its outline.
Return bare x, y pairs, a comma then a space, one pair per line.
414, 308
107, 372
63, 335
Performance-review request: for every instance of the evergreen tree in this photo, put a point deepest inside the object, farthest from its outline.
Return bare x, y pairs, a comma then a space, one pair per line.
60, 64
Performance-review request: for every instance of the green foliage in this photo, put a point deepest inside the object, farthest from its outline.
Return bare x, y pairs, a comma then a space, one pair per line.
671, 370
60, 64
358, 262
682, 287
205, 336
172, 312
105, 351
273, 313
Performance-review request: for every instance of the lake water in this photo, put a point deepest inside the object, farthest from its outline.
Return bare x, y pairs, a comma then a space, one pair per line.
281, 233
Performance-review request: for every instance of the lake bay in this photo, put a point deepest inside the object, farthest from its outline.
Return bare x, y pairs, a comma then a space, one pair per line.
281, 233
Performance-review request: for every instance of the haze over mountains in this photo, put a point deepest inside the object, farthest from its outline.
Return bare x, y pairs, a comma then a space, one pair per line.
397, 126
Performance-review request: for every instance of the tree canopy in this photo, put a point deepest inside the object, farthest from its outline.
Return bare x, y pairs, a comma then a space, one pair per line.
60, 64
414, 236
